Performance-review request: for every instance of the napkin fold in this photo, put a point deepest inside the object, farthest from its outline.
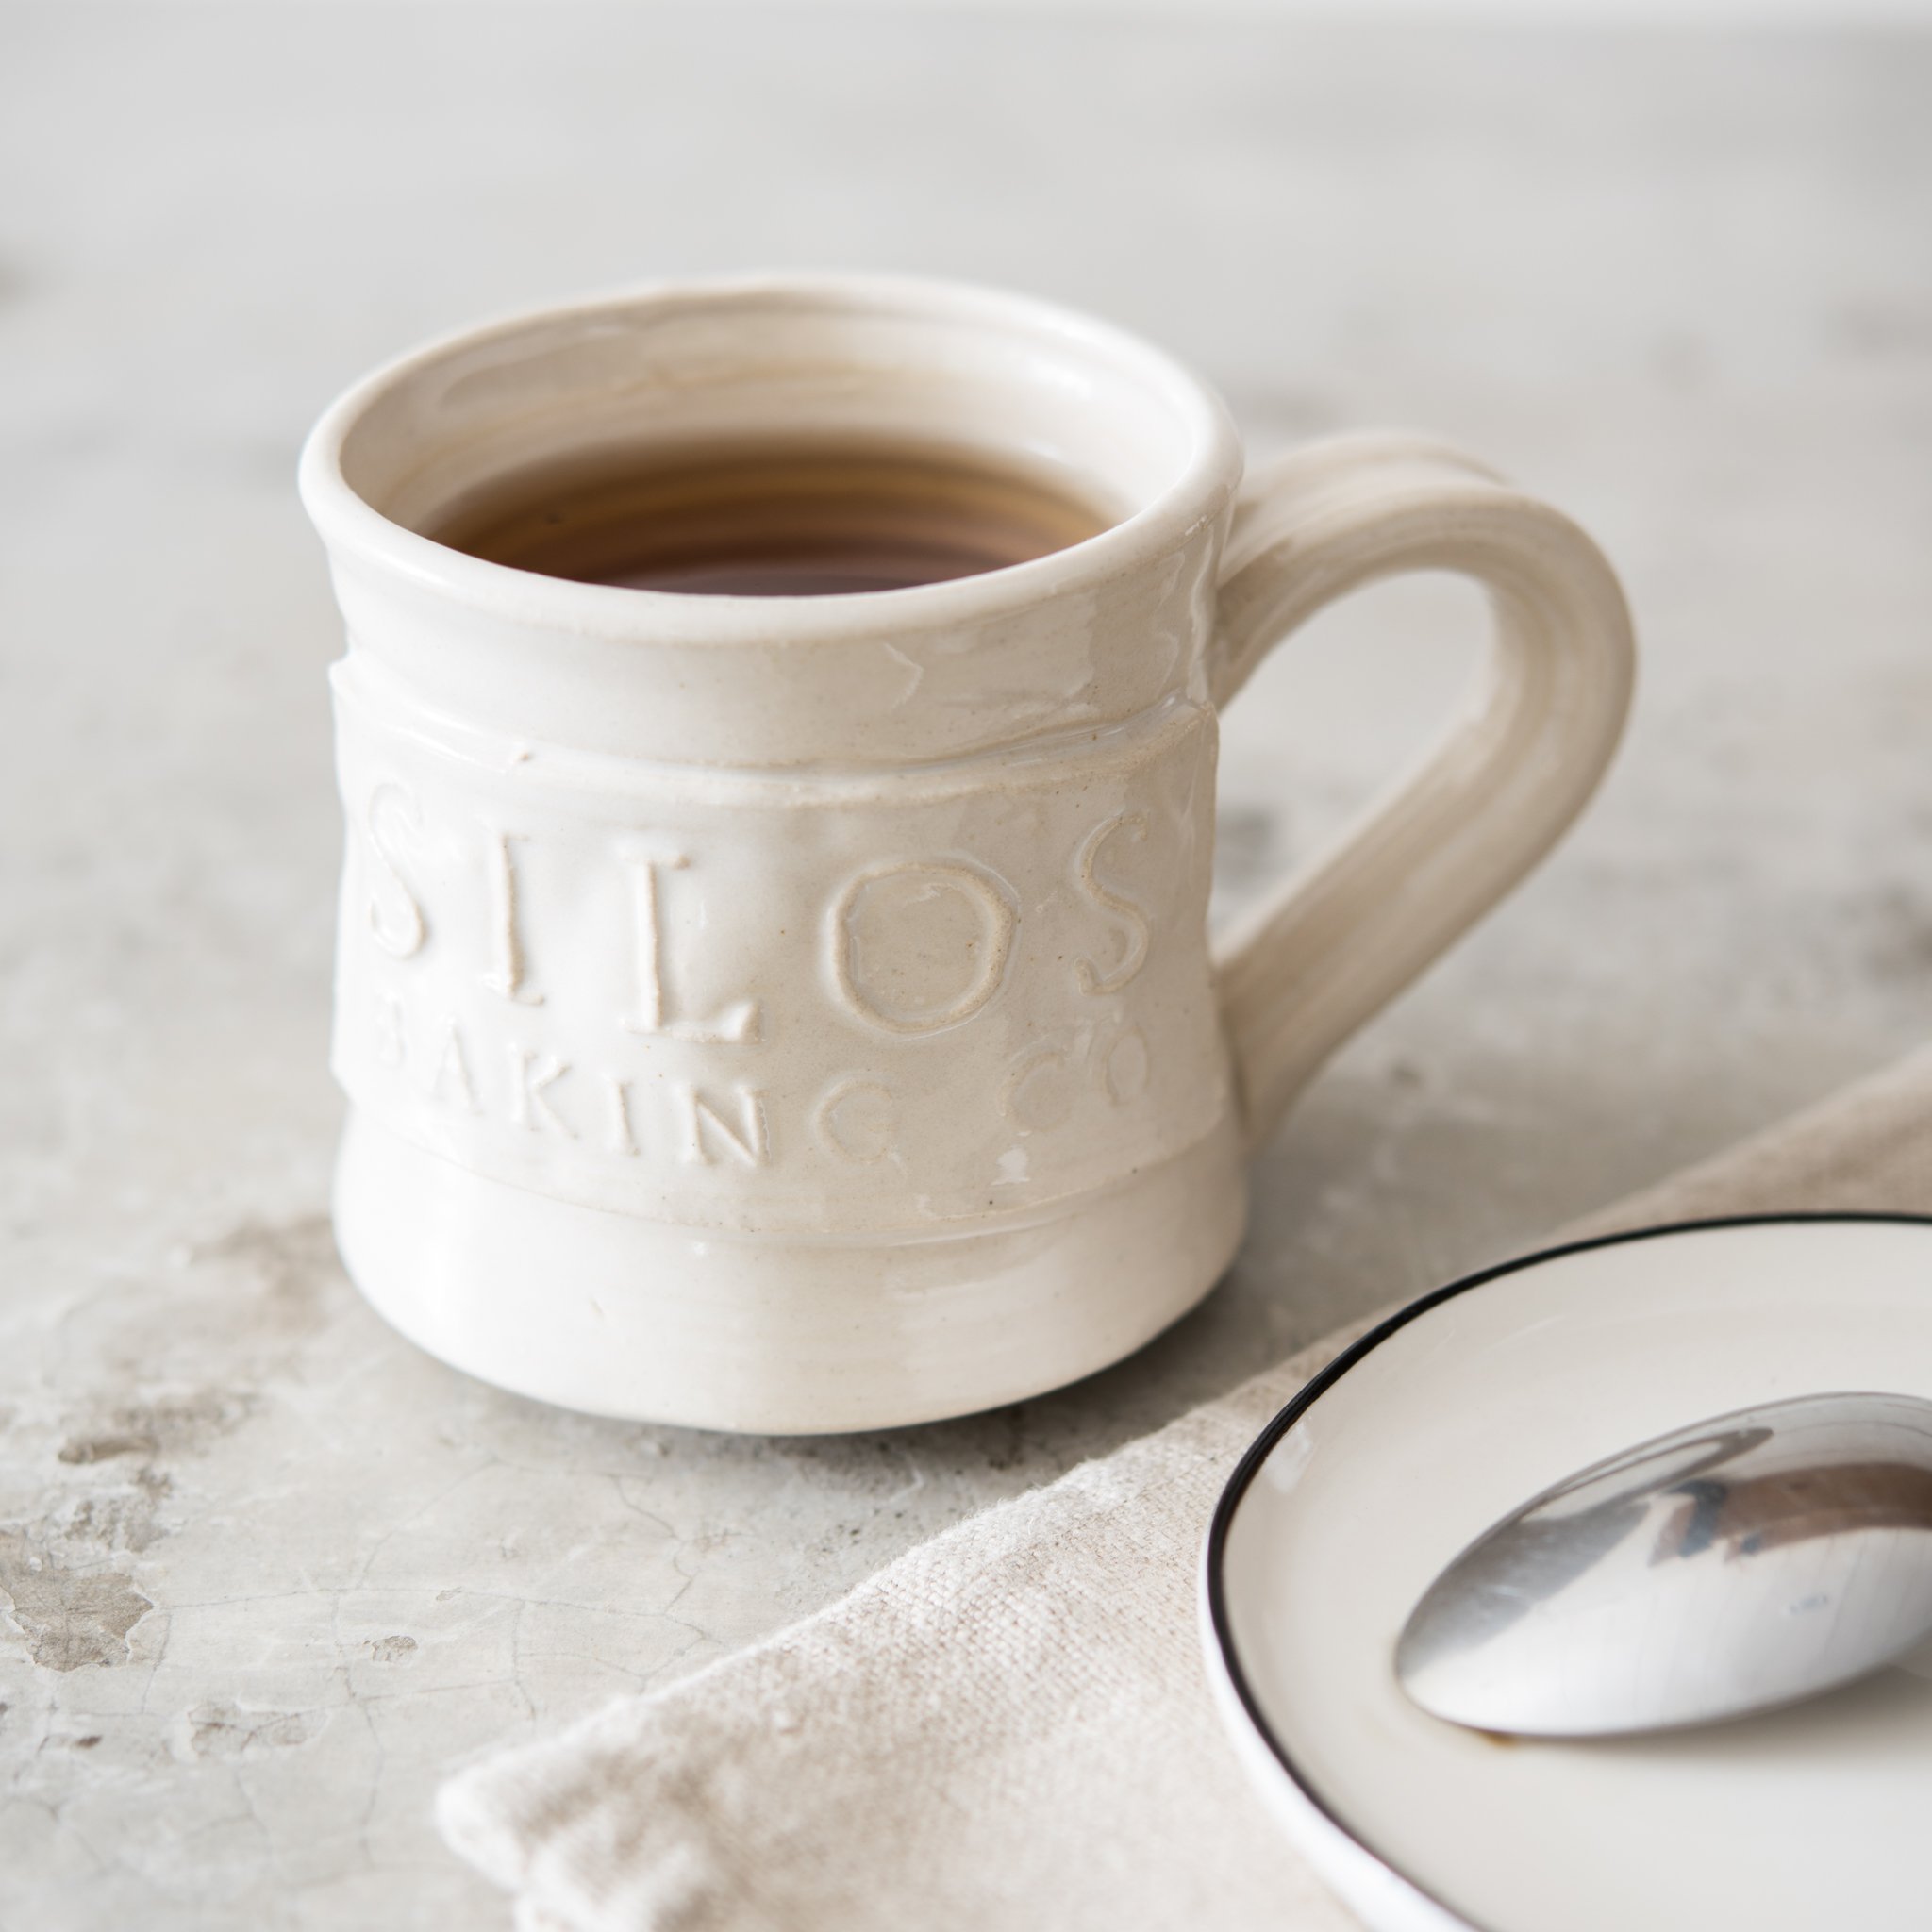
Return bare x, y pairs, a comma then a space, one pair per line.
1009, 1726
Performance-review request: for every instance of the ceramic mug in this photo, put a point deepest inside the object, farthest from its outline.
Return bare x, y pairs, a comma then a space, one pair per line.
798, 1013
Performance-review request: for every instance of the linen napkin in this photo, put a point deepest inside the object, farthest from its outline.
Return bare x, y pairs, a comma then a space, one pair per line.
1009, 1726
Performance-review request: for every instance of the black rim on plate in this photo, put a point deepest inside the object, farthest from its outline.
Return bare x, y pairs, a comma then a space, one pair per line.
1318, 1384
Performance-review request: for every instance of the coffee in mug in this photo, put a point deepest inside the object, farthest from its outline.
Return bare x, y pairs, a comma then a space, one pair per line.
775, 518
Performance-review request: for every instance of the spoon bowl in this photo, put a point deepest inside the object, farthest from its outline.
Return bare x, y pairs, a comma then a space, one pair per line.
1741, 1563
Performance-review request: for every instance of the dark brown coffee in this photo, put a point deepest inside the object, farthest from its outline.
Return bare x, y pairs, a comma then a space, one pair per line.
772, 519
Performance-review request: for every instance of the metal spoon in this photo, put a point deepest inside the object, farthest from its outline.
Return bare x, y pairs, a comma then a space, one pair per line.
1738, 1564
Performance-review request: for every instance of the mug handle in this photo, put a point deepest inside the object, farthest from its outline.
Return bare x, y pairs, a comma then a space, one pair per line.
1342, 940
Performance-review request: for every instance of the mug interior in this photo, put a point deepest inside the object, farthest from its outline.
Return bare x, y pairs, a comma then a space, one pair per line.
993, 375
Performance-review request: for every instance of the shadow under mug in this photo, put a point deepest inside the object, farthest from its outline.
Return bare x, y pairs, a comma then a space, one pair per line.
798, 1013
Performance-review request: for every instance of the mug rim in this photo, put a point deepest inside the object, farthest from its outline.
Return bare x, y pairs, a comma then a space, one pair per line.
1159, 527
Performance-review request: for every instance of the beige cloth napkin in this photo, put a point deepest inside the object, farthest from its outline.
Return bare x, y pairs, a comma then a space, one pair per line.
1010, 1725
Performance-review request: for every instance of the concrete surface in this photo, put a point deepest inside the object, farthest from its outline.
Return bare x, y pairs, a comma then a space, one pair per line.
270, 1570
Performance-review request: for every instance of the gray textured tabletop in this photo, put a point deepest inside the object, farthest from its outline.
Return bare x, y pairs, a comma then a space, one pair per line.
271, 1570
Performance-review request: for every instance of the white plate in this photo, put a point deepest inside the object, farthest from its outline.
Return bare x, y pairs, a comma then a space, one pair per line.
1439, 1423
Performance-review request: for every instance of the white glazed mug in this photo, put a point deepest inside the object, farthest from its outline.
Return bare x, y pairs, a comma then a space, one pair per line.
798, 1013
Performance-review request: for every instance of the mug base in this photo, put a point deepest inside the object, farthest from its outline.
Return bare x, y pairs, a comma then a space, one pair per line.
780, 1335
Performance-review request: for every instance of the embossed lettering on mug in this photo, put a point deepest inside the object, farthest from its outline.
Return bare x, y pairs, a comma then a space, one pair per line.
855, 1120
398, 926
700, 1006
505, 973
737, 1025
1132, 915
921, 944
